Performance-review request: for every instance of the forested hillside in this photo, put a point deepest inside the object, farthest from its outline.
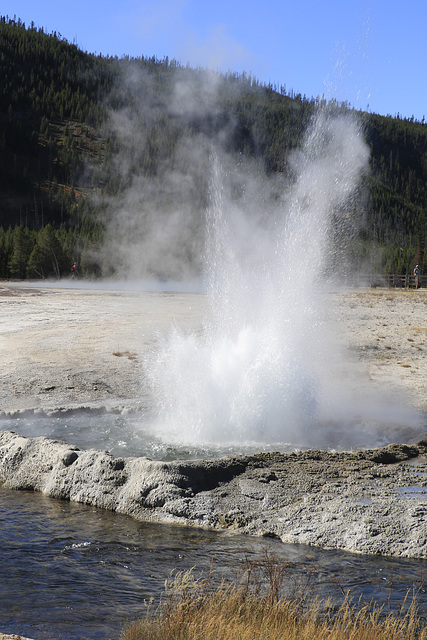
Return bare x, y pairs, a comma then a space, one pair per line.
93, 149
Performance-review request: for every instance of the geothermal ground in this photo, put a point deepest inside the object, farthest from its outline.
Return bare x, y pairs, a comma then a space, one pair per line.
386, 330
70, 348
65, 349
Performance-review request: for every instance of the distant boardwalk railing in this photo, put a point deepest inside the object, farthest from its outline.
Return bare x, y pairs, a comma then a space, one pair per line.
392, 281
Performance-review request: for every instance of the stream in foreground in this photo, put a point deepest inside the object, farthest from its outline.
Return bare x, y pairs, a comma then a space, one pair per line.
74, 572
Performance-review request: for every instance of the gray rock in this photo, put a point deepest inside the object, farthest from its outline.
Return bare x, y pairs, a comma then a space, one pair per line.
372, 502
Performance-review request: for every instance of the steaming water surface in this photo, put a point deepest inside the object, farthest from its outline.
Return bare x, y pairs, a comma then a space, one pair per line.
132, 435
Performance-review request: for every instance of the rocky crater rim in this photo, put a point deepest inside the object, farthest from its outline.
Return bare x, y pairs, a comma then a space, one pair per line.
368, 501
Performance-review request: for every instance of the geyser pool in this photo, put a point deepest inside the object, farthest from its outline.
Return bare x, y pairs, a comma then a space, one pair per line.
132, 435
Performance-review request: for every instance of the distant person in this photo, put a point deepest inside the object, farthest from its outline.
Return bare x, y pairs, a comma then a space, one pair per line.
74, 270
417, 276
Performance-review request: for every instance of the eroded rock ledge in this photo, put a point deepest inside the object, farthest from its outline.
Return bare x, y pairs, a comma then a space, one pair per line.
372, 502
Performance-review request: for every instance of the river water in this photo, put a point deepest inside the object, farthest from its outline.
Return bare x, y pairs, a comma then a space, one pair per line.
74, 572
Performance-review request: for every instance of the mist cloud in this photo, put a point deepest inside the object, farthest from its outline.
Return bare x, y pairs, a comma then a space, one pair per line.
168, 131
164, 138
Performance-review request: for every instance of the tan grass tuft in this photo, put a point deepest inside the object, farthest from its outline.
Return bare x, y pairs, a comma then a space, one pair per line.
195, 610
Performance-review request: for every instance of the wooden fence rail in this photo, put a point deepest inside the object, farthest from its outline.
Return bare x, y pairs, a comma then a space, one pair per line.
391, 280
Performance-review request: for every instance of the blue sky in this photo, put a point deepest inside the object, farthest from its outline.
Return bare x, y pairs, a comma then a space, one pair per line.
370, 53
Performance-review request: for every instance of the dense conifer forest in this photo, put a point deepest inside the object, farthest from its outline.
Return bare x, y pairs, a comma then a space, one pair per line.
86, 137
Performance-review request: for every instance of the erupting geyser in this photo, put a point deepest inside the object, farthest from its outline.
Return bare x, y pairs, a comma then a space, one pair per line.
264, 367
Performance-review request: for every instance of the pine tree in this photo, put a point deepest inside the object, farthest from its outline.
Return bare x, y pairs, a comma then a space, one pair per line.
47, 259
22, 247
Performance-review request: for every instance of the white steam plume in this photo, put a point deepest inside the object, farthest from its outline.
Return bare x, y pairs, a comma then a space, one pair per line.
263, 369
156, 224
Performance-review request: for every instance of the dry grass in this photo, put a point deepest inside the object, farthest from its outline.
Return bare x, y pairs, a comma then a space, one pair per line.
194, 610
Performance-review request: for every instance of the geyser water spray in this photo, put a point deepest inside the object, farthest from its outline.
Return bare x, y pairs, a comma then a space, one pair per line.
260, 369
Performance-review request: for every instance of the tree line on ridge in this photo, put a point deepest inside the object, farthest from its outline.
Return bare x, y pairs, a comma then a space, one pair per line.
64, 166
